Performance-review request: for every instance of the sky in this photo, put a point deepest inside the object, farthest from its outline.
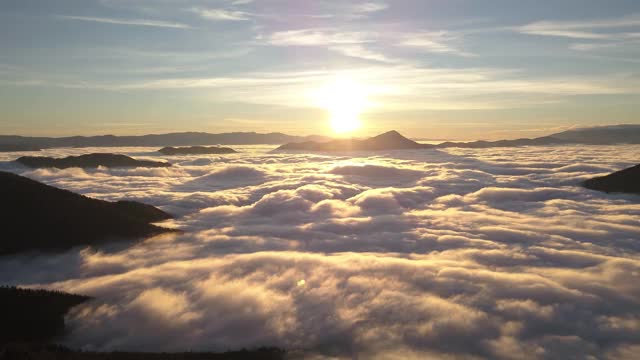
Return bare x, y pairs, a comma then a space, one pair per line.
458, 69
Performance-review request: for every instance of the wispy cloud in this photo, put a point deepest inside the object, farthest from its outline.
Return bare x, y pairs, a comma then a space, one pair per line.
361, 52
222, 14
132, 22
317, 37
347, 43
369, 7
435, 42
582, 29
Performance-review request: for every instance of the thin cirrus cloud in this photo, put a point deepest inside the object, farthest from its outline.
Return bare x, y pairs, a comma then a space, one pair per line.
131, 22
395, 87
369, 7
584, 29
435, 42
221, 14
318, 37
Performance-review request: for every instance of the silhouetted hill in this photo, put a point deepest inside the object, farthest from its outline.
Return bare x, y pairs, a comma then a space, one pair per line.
57, 352
38, 217
391, 140
601, 135
546, 140
33, 315
191, 150
172, 139
624, 181
88, 161
18, 147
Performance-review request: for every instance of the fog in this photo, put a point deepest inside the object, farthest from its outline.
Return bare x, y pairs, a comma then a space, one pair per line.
463, 253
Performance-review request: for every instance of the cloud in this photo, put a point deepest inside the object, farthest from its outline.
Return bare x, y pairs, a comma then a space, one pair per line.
316, 37
132, 22
369, 7
222, 14
459, 254
583, 29
435, 42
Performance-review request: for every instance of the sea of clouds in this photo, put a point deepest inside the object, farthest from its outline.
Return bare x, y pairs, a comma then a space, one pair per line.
456, 253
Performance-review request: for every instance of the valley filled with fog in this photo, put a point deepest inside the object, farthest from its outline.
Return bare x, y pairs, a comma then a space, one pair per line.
467, 253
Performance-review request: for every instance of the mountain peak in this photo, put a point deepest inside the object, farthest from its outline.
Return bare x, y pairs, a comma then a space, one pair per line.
390, 134
390, 140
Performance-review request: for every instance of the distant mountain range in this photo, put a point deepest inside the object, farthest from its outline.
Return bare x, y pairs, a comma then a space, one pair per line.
38, 217
603, 135
391, 140
160, 140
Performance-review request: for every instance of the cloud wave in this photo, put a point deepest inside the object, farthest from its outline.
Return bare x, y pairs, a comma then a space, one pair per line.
464, 253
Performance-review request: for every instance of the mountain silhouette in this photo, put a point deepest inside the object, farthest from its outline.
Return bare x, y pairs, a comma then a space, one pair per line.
38, 217
192, 150
601, 135
391, 140
171, 139
623, 181
30, 315
18, 147
88, 161
481, 144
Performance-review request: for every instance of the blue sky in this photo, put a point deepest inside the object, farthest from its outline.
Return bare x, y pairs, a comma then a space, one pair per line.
457, 69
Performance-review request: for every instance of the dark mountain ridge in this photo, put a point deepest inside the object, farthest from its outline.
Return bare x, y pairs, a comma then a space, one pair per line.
30, 315
88, 161
38, 217
623, 181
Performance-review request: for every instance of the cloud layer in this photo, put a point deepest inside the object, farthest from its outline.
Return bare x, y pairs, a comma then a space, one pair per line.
483, 253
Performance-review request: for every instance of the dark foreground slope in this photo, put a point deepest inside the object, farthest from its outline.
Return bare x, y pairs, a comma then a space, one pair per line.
87, 161
624, 181
391, 140
196, 150
38, 217
33, 315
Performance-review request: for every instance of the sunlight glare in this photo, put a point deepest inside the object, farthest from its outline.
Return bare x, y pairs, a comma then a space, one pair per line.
344, 99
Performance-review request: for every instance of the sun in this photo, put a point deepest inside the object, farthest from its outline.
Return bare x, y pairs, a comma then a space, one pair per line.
344, 100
